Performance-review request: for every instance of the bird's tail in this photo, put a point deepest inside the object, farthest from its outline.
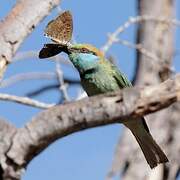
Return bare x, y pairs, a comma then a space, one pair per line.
152, 152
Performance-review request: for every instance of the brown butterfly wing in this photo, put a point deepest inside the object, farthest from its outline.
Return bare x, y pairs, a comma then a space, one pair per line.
50, 50
60, 29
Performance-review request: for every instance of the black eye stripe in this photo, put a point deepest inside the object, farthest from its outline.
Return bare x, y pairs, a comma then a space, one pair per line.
82, 50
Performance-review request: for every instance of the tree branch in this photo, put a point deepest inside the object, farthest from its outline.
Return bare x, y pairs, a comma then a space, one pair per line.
62, 120
35, 54
25, 101
5, 142
112, 38
18, 24
62, 85
158, 39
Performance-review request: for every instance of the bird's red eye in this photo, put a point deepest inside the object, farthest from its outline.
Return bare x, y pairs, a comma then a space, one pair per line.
84, 50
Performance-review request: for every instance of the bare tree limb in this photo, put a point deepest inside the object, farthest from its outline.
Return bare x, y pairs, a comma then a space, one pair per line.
5, 142
18, 24
62, 120
25, 101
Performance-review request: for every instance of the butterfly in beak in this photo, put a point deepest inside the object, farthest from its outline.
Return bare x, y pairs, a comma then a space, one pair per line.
59, 31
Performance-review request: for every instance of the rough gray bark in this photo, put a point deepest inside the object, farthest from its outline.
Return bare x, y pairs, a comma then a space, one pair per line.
164, 125
20, 22
20, 146
7, 132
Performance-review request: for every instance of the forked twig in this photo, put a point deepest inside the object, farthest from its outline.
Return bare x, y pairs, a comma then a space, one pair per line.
133, 20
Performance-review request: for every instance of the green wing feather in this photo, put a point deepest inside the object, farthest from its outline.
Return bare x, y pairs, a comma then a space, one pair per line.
120, 78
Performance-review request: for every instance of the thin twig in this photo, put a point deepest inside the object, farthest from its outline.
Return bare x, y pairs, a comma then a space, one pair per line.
25, 100
133, 20
145, 52
139, 47
27, 76
63, 86
50, 87
34, 54
41, 90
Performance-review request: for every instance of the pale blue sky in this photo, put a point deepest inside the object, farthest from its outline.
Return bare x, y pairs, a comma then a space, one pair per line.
88, 154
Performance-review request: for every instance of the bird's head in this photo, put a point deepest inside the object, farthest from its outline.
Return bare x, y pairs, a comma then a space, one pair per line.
85, 56
86, 48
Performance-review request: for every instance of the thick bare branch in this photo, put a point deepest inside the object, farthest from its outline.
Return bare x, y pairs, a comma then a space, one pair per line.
26, 143
62, 120
7, 132
18, 24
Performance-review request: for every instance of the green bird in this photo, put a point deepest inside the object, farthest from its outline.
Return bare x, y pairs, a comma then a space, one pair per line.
99, 76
